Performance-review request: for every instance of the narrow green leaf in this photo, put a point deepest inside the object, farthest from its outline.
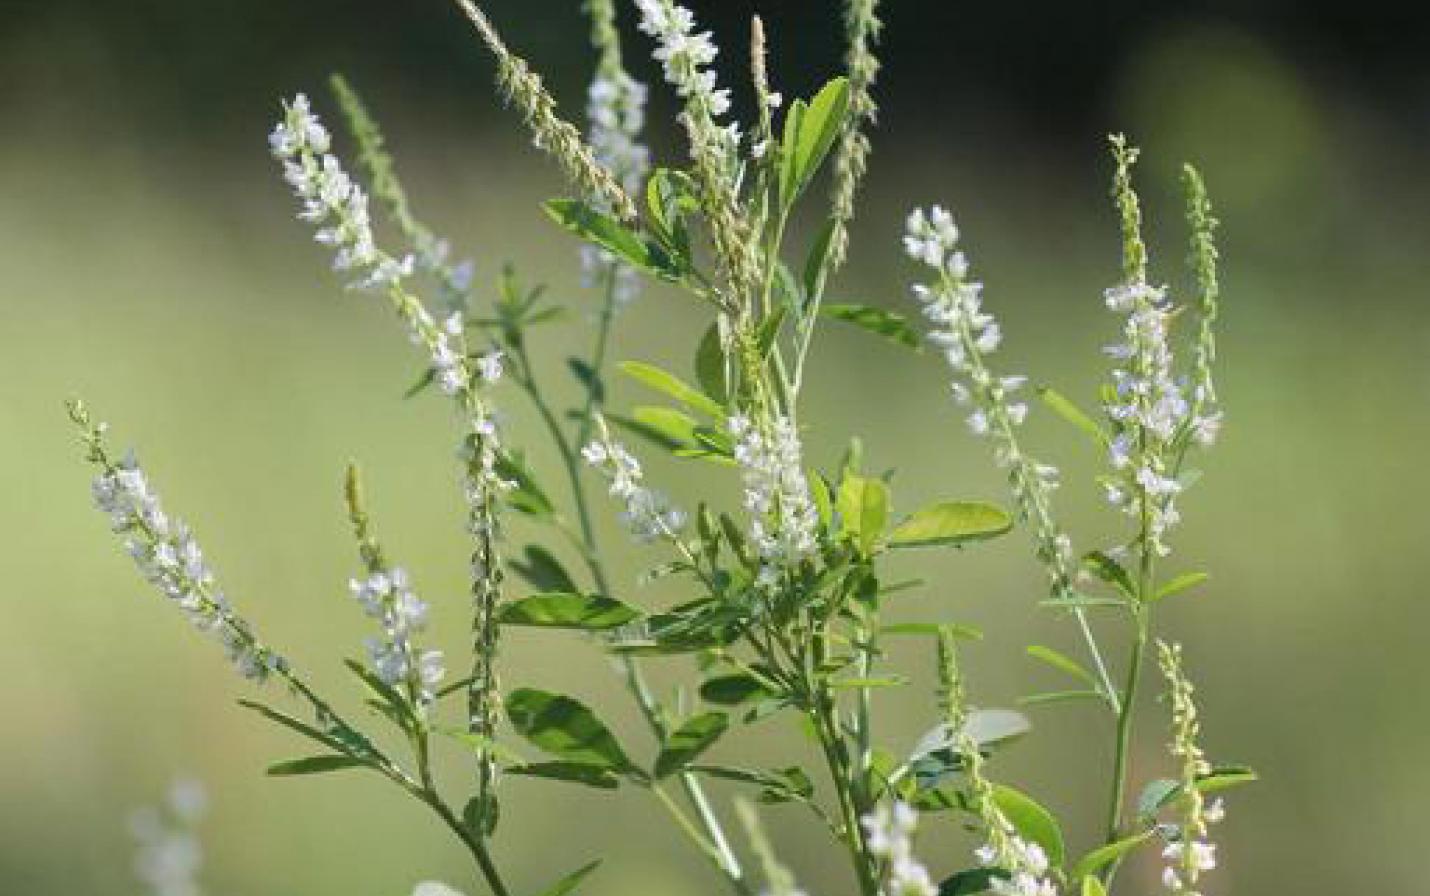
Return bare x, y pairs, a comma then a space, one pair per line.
952, 522
1032, 822
1059, 697
1064, 407
694, 736
589, 612
586, 774
315, 765
1091, 886
1109, 570
543, 571
884, 681
610, 234
668, 422
1179, 584
571, 881
344, 741
974, 880
881, 322
933, 629
818, 254
527, 497
653, 377
1061, 661
1103, 856
564, 727
710, 364
649, 433
733, 689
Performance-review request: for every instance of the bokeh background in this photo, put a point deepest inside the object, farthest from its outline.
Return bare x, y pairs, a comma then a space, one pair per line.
149, 262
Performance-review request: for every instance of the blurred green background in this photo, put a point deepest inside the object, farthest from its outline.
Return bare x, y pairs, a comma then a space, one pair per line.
150, 263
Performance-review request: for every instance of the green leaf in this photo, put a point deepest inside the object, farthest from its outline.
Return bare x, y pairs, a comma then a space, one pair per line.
584, 773
974, 880
342, 739
1164, 791
1179, 584
952, 522
1061, 661
527, 497
1103, 856
694, 736
543, 571
653, 377
818, 254
863, 505
1091, 886
564, 727
610, 234
1059, 697
733, 689
649, 433
810, 130
888, 324
710, 364
589, 612
933, 629
996, 727
1069, 411
778, 785
1109, 570
571, 881
1032, 822
884, 681
316, 765
671, 424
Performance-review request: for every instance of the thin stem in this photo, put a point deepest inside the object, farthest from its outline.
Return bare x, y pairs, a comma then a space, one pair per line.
713, 842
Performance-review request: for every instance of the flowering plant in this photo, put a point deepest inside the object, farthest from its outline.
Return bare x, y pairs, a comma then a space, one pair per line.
782, 598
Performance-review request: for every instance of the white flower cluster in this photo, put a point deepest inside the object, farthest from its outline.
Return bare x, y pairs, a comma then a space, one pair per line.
686, 57
387, 596
966, 334
889, 834
616, 109
331, 199
167, 554
1026, 864
649, 514
1191, 854
783, 520
1149, 410
169, 855
1189, 859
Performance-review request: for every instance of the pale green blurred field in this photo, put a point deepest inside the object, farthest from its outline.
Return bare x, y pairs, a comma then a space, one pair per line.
177, 295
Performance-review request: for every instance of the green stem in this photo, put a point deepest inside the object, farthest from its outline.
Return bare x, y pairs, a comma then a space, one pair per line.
714, 842
1124, 732
836, 757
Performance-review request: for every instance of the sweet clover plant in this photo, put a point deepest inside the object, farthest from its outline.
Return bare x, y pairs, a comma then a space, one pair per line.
780, 614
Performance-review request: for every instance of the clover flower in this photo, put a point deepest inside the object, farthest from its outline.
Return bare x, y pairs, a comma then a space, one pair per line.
1191, 854
387, 596
1148, 410
783, 520
685, 56
616, 111
1024, 863
889, 835
167, 554
966, 334
649, 514
170, 855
